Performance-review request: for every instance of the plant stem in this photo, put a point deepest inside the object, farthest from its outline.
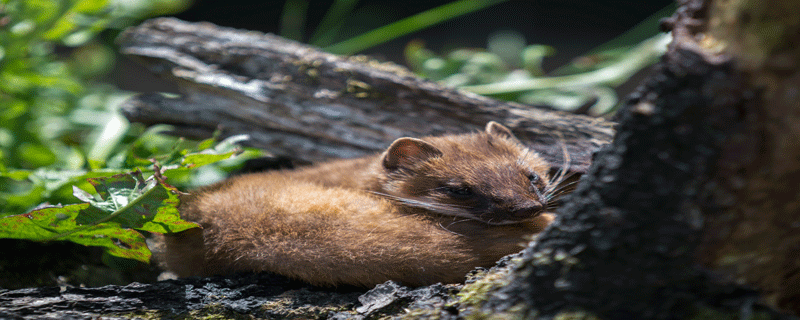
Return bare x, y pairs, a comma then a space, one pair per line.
332, 22
293, 19
408, 25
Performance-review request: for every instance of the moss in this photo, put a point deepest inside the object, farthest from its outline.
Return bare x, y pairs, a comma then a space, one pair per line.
473, 295
519, 311
751, 30
385, 66
211, 312
359, 89
428, 314
146, 315
289, 306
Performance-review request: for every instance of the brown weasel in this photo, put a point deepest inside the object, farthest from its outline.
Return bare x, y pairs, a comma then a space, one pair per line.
424, 211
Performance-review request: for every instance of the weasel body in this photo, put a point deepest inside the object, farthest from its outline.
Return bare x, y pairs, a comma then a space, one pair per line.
426, 210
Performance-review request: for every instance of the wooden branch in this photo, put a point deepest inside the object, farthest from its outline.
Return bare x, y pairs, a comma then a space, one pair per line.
297, 101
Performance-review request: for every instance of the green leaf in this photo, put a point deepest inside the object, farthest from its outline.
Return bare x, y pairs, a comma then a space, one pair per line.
195, 160
42, 224
125, 203
125, 243
223, 150
207, 143
25, 199
18, 175
90, 6
59, 222
138, 204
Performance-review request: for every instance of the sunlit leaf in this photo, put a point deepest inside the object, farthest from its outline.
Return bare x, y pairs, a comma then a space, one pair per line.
125, 243
90, 6
138, 204
18, 175
58, 223
125, 203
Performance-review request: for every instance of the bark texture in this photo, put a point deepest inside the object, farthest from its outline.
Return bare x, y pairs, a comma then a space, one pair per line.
756, 238
695, 201
295, 100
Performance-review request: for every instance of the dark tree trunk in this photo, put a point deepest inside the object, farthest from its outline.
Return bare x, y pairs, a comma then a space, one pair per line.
692, 211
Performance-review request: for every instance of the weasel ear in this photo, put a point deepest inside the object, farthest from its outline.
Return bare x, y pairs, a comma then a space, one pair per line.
499, 130
406, 151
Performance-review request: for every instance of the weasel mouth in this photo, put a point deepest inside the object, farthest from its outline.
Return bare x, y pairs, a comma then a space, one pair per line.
526, 213
502, 222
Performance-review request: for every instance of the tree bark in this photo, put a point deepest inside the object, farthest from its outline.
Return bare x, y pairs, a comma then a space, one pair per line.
756, 238
295, 100
695, 202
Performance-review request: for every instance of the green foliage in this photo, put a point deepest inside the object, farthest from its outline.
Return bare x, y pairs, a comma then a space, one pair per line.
62, 140
511, 69
123, 204
51, 112
508, 68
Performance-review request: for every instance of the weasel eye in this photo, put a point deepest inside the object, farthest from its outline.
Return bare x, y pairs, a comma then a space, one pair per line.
534, 178
459, 192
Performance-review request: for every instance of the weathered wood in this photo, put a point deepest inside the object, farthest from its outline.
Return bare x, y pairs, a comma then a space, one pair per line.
259, 295
298, 101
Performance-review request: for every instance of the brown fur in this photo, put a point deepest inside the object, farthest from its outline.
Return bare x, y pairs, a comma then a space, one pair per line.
354, 221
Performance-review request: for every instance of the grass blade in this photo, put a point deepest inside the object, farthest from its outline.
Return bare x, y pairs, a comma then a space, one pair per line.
408, 25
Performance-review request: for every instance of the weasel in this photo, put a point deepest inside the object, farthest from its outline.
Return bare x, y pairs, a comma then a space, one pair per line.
424, 211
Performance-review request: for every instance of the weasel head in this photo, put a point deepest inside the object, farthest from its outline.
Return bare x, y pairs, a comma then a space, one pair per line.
487, 176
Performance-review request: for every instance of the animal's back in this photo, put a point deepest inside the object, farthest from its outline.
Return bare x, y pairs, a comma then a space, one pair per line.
323, 235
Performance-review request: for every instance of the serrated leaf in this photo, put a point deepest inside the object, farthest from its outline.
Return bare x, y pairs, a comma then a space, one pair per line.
59, 223
42, 224
55, 179
223, 150
138, 204
118, 190
125, 203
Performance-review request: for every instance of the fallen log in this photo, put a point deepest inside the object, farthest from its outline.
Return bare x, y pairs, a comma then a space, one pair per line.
295, 100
